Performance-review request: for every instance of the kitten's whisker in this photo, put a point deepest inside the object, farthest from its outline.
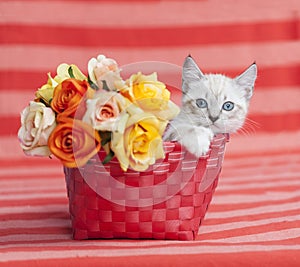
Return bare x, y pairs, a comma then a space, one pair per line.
256, 124
249, 127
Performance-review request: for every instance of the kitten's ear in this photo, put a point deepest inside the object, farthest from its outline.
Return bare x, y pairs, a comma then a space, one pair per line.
190, 70
247, 79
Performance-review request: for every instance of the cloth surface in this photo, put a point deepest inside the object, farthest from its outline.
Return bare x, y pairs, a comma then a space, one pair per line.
254, 217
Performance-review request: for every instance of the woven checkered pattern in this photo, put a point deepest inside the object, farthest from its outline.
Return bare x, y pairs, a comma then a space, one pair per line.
168, 201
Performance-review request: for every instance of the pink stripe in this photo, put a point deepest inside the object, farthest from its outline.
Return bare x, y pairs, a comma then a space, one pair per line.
262, 237
259, 185
275, 101
20, 98
52, 170
251, 161
243, 224
45, 208
263, 143
209, 57
180, 250
254, 211
253, 198
242, 177
162, 13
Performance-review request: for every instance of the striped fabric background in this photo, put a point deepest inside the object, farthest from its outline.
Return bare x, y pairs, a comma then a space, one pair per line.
254, 219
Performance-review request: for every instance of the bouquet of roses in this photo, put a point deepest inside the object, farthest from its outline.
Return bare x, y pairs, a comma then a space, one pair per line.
73, 116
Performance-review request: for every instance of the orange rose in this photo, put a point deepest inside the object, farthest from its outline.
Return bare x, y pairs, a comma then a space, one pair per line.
74, 142
68, 95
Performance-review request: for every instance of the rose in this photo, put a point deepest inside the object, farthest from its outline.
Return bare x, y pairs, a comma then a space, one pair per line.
103, 110
74, 142
104, 69
146, 90
136, 140
63, 73
149, 94
45, 93
37, 123
68, 95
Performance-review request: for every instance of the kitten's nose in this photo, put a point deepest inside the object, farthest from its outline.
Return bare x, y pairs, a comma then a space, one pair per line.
213, 119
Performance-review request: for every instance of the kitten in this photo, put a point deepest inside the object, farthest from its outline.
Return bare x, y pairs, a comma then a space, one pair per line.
211, 104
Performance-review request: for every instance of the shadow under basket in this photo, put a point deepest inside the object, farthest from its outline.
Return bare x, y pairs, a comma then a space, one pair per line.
168, 201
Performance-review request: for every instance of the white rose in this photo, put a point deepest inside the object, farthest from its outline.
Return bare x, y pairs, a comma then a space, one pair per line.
104, 69
37, 123
103, 111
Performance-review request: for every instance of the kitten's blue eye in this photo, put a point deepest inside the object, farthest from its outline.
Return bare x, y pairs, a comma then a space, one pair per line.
201, 103
228, 106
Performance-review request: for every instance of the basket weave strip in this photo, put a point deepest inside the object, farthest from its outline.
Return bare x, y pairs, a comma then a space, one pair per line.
168, 201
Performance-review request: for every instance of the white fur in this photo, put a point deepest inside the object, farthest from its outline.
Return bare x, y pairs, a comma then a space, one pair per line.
195, 127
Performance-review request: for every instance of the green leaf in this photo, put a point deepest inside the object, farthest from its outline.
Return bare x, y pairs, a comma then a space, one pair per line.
70, 71
105, 138
92, 84
105, 86
108, 157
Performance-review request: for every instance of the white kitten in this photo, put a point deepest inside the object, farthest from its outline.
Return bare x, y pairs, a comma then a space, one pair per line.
211, 104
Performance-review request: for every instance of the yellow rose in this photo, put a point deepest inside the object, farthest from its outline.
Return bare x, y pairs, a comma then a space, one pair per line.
45, 93
149, 94
137, 139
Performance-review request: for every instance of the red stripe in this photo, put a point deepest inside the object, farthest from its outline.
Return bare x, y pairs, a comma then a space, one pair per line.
33, 202
10, 126
141, 37
277, 123
31, 80
23, 80
102, 1
35, 230
247, 230
29, 162
34, 216
251, 217
245, 259
31, 176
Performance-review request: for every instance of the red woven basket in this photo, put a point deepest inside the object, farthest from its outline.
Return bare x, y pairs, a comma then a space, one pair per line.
168, 201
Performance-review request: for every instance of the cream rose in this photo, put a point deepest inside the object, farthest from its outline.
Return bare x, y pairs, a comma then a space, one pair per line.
63, 73
37, 123
136, 140
104, 72
103, 110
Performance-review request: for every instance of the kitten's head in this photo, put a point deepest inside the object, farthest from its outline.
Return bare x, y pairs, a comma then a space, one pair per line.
214, 100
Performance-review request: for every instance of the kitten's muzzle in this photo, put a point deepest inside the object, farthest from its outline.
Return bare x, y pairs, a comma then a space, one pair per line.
213, 119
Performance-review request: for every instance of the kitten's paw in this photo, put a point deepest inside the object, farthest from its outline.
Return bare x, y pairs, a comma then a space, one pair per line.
199, 142
170, 135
